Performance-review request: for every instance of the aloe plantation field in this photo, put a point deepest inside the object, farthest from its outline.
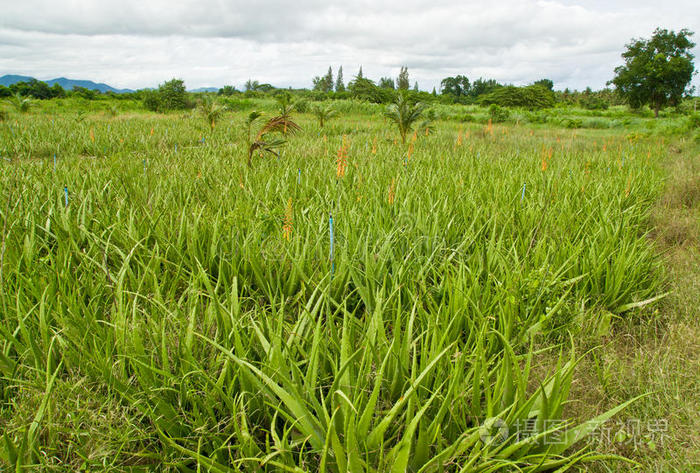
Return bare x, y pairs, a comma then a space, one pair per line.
348, 303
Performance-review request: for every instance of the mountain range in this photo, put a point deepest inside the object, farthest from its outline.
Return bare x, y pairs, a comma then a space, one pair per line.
68, 84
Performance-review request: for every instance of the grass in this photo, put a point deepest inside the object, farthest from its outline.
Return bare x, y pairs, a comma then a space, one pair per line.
658, 353
180, 312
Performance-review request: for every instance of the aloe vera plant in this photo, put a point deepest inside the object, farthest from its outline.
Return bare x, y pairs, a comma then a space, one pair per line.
216, 338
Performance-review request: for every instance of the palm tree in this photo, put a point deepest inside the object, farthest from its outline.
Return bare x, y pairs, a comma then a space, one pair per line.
404, 114
211, 111
324, 113
281, 124
20, 103
286, 106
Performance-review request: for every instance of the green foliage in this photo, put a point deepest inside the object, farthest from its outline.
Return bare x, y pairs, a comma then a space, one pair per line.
546, 83
82, 92
285, 105
325, 83
498, 114
266, 140
482, 86
339, 84
457, 87
530, 97
35, 89
386, 83
694, 121
402, 82
593, 102
364, 89
170, 95
656, 71
21, 104
404, 114
324, 113
227, 90
211, 111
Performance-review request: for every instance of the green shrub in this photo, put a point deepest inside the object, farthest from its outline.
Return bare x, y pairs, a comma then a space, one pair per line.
498, 114
694, 121
531, 97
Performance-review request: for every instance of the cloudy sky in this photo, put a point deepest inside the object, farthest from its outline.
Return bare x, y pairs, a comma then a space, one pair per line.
141, 43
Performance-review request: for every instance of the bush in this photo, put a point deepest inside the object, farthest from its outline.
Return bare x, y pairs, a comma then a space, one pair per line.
531, 97
592, 102
151, 100
572, 123
170, 96
498, 114
694, 121
238, 105
596, 123
301, 105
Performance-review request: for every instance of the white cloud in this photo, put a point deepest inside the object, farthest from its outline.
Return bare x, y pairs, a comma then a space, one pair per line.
215, 42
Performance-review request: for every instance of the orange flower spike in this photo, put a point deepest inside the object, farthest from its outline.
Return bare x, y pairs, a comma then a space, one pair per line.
342, 161
92, 135
287, 227
392, 192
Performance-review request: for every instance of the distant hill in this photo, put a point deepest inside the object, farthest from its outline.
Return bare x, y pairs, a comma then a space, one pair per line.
67, 84
205, 89
10, 79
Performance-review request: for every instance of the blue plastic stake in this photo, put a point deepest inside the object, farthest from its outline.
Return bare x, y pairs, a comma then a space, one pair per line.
144, 166
54, 162
522, 196
65, 192
299, 176
330, 224
176, 147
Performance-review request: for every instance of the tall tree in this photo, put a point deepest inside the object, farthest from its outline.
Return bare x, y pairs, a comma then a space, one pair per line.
415, 86
402, 82
386, 83
482, 86
546, 83
457, 86
657, 71
339, 85
172, 95
359, 74
328, 80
